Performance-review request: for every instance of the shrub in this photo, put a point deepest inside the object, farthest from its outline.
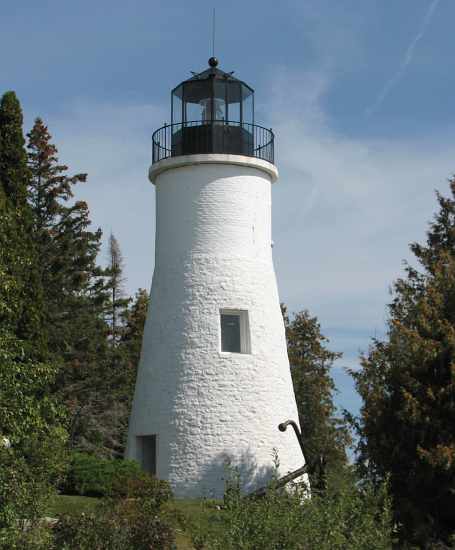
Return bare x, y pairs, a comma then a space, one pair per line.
126, 526
344, 516
85, 532
33, 455
93, 476
122, 523
23, 494
143, 486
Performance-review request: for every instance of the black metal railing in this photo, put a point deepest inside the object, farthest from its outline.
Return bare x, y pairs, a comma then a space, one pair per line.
215, 136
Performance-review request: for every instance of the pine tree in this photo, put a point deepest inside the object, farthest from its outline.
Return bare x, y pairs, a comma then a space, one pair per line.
72, 282
14, 174
76, 290
407, 384
324, 434
131, 343
118, 303
99, 393
30, 417
122, 378
134, 328
19, 257
11, 287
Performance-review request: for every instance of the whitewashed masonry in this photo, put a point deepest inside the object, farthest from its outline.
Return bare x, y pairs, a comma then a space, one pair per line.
196, 406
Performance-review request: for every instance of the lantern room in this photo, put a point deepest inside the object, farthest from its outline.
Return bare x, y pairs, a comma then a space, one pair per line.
213, 112
213, 96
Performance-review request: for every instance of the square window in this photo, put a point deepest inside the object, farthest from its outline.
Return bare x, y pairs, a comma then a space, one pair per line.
235, 331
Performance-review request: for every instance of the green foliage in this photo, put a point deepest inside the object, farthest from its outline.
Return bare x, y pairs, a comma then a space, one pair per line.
342, 517
26, 406
33, 422
132, 522
128, 525
325, 435
14, 174
93, 334
24, 490
36, 461
134, 322
93, 476
30, 418
21, 306
103, 394
118, 304
66, 248
407, 384
11, 262
60, 505
139, 484
73, 284
77, 299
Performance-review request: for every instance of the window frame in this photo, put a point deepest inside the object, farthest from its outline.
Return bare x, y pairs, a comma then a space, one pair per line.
245, 339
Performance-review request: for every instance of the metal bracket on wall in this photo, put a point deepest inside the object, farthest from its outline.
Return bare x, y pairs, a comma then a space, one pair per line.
282, 481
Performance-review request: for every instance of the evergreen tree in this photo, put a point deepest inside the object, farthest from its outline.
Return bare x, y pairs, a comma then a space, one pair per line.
76, 291
30, 418
11, 287
14, 174
118, 303
108, 408
134, 328
407, 384
73, 286
101, 397
19, 258
324, 434
112, 423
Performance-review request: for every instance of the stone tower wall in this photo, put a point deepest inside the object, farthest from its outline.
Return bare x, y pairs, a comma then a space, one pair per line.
213, 251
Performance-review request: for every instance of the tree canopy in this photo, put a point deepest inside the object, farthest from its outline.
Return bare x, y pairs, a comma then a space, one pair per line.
324, 433
407, 383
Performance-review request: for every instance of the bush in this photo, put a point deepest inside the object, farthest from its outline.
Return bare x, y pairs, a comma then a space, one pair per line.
23, 495
344, 516
93, 476
121, 523
35, 458
126, 526
143, 486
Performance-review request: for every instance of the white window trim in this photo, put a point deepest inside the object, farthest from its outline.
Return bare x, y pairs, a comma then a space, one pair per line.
245, 341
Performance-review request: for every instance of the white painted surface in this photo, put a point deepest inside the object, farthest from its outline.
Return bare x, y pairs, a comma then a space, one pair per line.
213, 237
212, 158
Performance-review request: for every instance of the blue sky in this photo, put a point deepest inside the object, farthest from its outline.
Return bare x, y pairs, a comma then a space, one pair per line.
360, 95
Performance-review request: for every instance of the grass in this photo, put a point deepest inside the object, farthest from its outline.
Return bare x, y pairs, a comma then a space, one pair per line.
70, 504
190, 516
185, 515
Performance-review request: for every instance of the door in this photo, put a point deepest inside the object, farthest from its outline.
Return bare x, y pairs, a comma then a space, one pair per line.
147, 444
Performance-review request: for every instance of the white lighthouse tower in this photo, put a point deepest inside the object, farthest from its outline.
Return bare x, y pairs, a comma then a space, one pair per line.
214, 380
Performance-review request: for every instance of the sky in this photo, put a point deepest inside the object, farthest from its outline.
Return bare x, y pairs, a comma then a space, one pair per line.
359, 95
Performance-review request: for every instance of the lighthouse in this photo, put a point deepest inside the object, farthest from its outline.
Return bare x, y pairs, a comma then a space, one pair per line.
214, 381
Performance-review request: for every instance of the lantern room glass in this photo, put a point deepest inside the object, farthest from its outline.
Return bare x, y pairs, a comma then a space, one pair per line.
212, 112
213, 100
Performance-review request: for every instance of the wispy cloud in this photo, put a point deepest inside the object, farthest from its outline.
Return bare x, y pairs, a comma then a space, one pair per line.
344, 210
406, 61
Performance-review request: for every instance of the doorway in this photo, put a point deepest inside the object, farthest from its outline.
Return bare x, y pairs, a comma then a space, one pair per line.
147, 447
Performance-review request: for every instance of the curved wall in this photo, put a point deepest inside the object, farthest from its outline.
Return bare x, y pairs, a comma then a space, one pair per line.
213, 252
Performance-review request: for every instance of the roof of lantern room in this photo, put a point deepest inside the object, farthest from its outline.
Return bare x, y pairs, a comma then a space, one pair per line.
212, 73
